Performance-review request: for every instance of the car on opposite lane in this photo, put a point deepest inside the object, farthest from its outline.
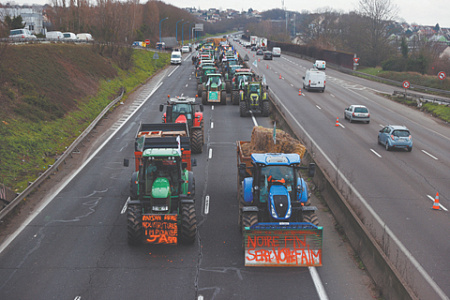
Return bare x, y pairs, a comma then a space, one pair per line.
268, 55
395, 136
357, 113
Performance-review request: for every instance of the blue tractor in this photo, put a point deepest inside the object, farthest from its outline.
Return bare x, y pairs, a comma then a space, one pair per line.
272, 190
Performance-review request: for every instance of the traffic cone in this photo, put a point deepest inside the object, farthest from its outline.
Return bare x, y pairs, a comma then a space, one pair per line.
337, 122
436, 204
267, 66
299, 92
259, 59
280, 76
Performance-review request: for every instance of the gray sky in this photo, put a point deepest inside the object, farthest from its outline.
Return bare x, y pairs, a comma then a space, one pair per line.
422, 12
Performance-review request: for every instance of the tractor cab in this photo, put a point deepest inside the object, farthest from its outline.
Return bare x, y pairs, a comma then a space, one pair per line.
181, 110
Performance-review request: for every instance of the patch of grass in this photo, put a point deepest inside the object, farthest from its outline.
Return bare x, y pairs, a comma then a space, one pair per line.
38, 126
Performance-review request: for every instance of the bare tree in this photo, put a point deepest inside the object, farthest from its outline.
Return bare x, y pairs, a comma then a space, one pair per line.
379, 14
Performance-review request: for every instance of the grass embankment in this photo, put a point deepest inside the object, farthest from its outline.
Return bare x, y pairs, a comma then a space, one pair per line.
440, 111
49, 94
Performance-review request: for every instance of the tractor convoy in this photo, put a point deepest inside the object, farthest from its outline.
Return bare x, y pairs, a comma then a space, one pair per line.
279, 225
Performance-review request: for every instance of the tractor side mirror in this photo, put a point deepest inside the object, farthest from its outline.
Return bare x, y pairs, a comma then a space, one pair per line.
311, 169
126, 162
161, 107
267, 87
303, 77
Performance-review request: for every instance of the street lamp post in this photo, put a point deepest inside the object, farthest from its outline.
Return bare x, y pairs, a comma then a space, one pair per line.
182, 32
160, 28
176, 29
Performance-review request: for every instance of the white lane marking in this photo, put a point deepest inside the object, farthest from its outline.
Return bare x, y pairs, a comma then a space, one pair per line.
432, 156
77, 298
318, 107
210, 153
387, 229
206, 204
212, 107
173, 71
212, 125
332, 96
124, 209
49, 199
432, 199
374, 152
254, 119
187, 85
318, 283
200, 297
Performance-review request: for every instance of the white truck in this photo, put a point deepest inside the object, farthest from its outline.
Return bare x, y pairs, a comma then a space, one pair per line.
253, 40
320, 65
262, 43
314, 80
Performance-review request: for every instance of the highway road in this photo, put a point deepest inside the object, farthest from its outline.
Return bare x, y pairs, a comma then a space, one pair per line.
74, 244
393, 192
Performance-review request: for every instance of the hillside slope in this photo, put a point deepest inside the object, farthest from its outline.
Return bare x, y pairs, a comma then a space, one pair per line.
49, 93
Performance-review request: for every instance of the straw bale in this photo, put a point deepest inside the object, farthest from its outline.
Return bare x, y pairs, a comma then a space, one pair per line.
262, 142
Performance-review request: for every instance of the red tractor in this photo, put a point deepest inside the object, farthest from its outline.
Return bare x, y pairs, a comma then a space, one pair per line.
182, 110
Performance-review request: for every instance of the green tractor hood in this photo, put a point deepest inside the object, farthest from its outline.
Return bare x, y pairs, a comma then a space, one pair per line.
161, 188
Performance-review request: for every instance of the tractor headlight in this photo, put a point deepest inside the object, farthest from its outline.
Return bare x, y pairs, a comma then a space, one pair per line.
288, 214
274, 213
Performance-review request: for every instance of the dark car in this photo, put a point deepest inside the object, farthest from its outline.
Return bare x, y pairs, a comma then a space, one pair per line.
268, 55
253, 48
259, 52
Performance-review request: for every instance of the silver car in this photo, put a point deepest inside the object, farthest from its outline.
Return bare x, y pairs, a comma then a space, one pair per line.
21, 34
357, 113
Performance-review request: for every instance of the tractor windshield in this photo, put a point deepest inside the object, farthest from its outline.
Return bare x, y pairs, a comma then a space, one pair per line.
270, 175
161, 167
214, 80
254, 88
182, 109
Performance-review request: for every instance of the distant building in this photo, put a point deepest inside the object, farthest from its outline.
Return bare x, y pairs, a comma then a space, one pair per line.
31, 17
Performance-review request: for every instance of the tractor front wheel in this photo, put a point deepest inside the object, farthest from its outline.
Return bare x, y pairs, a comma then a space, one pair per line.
188, 226
243, 109
197, 141
134, 225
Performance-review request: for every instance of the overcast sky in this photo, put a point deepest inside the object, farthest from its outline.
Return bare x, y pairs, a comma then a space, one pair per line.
422, 12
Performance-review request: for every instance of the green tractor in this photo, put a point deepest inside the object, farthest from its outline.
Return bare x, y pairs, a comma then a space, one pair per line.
214, 90
202, 76
240, 78
161, 207
254, 99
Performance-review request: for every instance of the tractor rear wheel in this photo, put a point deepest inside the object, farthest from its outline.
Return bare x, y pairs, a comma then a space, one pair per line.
134, 225
235, 98
265, 108
188, 227
228, 86
243, 109
204, 102
223, 97
197, 141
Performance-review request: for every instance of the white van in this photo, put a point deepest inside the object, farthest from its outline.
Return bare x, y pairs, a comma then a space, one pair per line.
276, 52
314, 80
54, 35
320, 65
69, 36
85, 37
175, 58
